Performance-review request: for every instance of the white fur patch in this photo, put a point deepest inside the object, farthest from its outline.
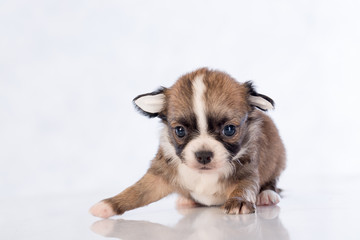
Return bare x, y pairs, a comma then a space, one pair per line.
151, 103
204, 187
267, 197
261, 102
199, 103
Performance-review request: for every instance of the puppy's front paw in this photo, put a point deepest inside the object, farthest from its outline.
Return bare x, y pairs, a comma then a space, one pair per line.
102, 210
238, 205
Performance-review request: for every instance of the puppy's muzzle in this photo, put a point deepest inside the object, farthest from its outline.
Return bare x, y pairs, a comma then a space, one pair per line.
204, 157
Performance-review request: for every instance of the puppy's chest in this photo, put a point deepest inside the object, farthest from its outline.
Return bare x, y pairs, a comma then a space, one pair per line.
205, 188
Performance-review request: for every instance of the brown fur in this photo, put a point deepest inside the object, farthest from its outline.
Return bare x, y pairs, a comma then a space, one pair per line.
226, 100
148, 189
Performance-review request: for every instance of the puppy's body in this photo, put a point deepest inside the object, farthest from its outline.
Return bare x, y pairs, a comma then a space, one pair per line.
216, 147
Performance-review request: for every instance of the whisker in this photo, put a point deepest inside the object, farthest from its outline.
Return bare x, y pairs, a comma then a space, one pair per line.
238, 161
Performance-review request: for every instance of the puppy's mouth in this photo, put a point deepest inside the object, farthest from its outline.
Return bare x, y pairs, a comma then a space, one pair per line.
205, 168
202, 168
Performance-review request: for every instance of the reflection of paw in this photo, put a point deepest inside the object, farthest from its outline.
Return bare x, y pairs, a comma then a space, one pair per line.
238, 205
102, 210
184, 202
104, 227
267, 197
268, 212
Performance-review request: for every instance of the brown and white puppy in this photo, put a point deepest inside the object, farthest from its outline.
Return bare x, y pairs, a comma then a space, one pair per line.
217, 147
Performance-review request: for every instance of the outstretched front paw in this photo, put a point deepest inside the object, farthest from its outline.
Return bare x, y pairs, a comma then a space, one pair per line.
102, 210
238, 205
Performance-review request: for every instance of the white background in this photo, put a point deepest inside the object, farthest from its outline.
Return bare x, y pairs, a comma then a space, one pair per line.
70, 69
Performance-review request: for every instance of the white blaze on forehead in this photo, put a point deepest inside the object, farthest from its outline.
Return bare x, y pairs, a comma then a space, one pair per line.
199, 103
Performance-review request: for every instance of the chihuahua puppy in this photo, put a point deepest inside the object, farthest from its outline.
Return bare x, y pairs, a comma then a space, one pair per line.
217, 147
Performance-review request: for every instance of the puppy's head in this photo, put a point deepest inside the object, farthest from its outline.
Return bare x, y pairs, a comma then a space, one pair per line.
205, 114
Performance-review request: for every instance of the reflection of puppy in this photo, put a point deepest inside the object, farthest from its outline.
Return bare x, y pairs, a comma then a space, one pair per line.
216, 147
200, 223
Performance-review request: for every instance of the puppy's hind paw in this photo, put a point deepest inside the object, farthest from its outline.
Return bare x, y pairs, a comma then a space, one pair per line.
184, 202
102, 210
267, 197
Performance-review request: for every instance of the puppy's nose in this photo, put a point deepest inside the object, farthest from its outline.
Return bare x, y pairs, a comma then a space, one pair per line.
204, 157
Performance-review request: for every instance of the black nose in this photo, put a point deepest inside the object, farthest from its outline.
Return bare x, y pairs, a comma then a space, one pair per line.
204, 157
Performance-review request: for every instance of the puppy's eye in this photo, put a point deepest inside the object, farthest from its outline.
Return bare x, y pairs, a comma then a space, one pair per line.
229, 130
180, 131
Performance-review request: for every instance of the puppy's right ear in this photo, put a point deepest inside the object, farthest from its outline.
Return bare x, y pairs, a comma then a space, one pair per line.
151, 104
259, 100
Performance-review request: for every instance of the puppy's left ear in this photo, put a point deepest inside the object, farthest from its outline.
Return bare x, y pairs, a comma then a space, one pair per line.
151, 104
259, 100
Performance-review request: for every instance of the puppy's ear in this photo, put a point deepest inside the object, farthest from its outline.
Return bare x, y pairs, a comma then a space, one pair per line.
259, 100
151, 104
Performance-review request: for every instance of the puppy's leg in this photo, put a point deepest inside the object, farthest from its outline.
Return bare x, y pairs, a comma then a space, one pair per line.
148, 189
268, 194
242, 198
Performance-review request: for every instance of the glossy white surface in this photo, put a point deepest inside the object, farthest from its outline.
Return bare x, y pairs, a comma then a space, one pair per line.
69, 134
313, 208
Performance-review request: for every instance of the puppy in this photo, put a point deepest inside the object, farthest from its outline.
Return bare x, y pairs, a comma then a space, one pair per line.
217, 147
